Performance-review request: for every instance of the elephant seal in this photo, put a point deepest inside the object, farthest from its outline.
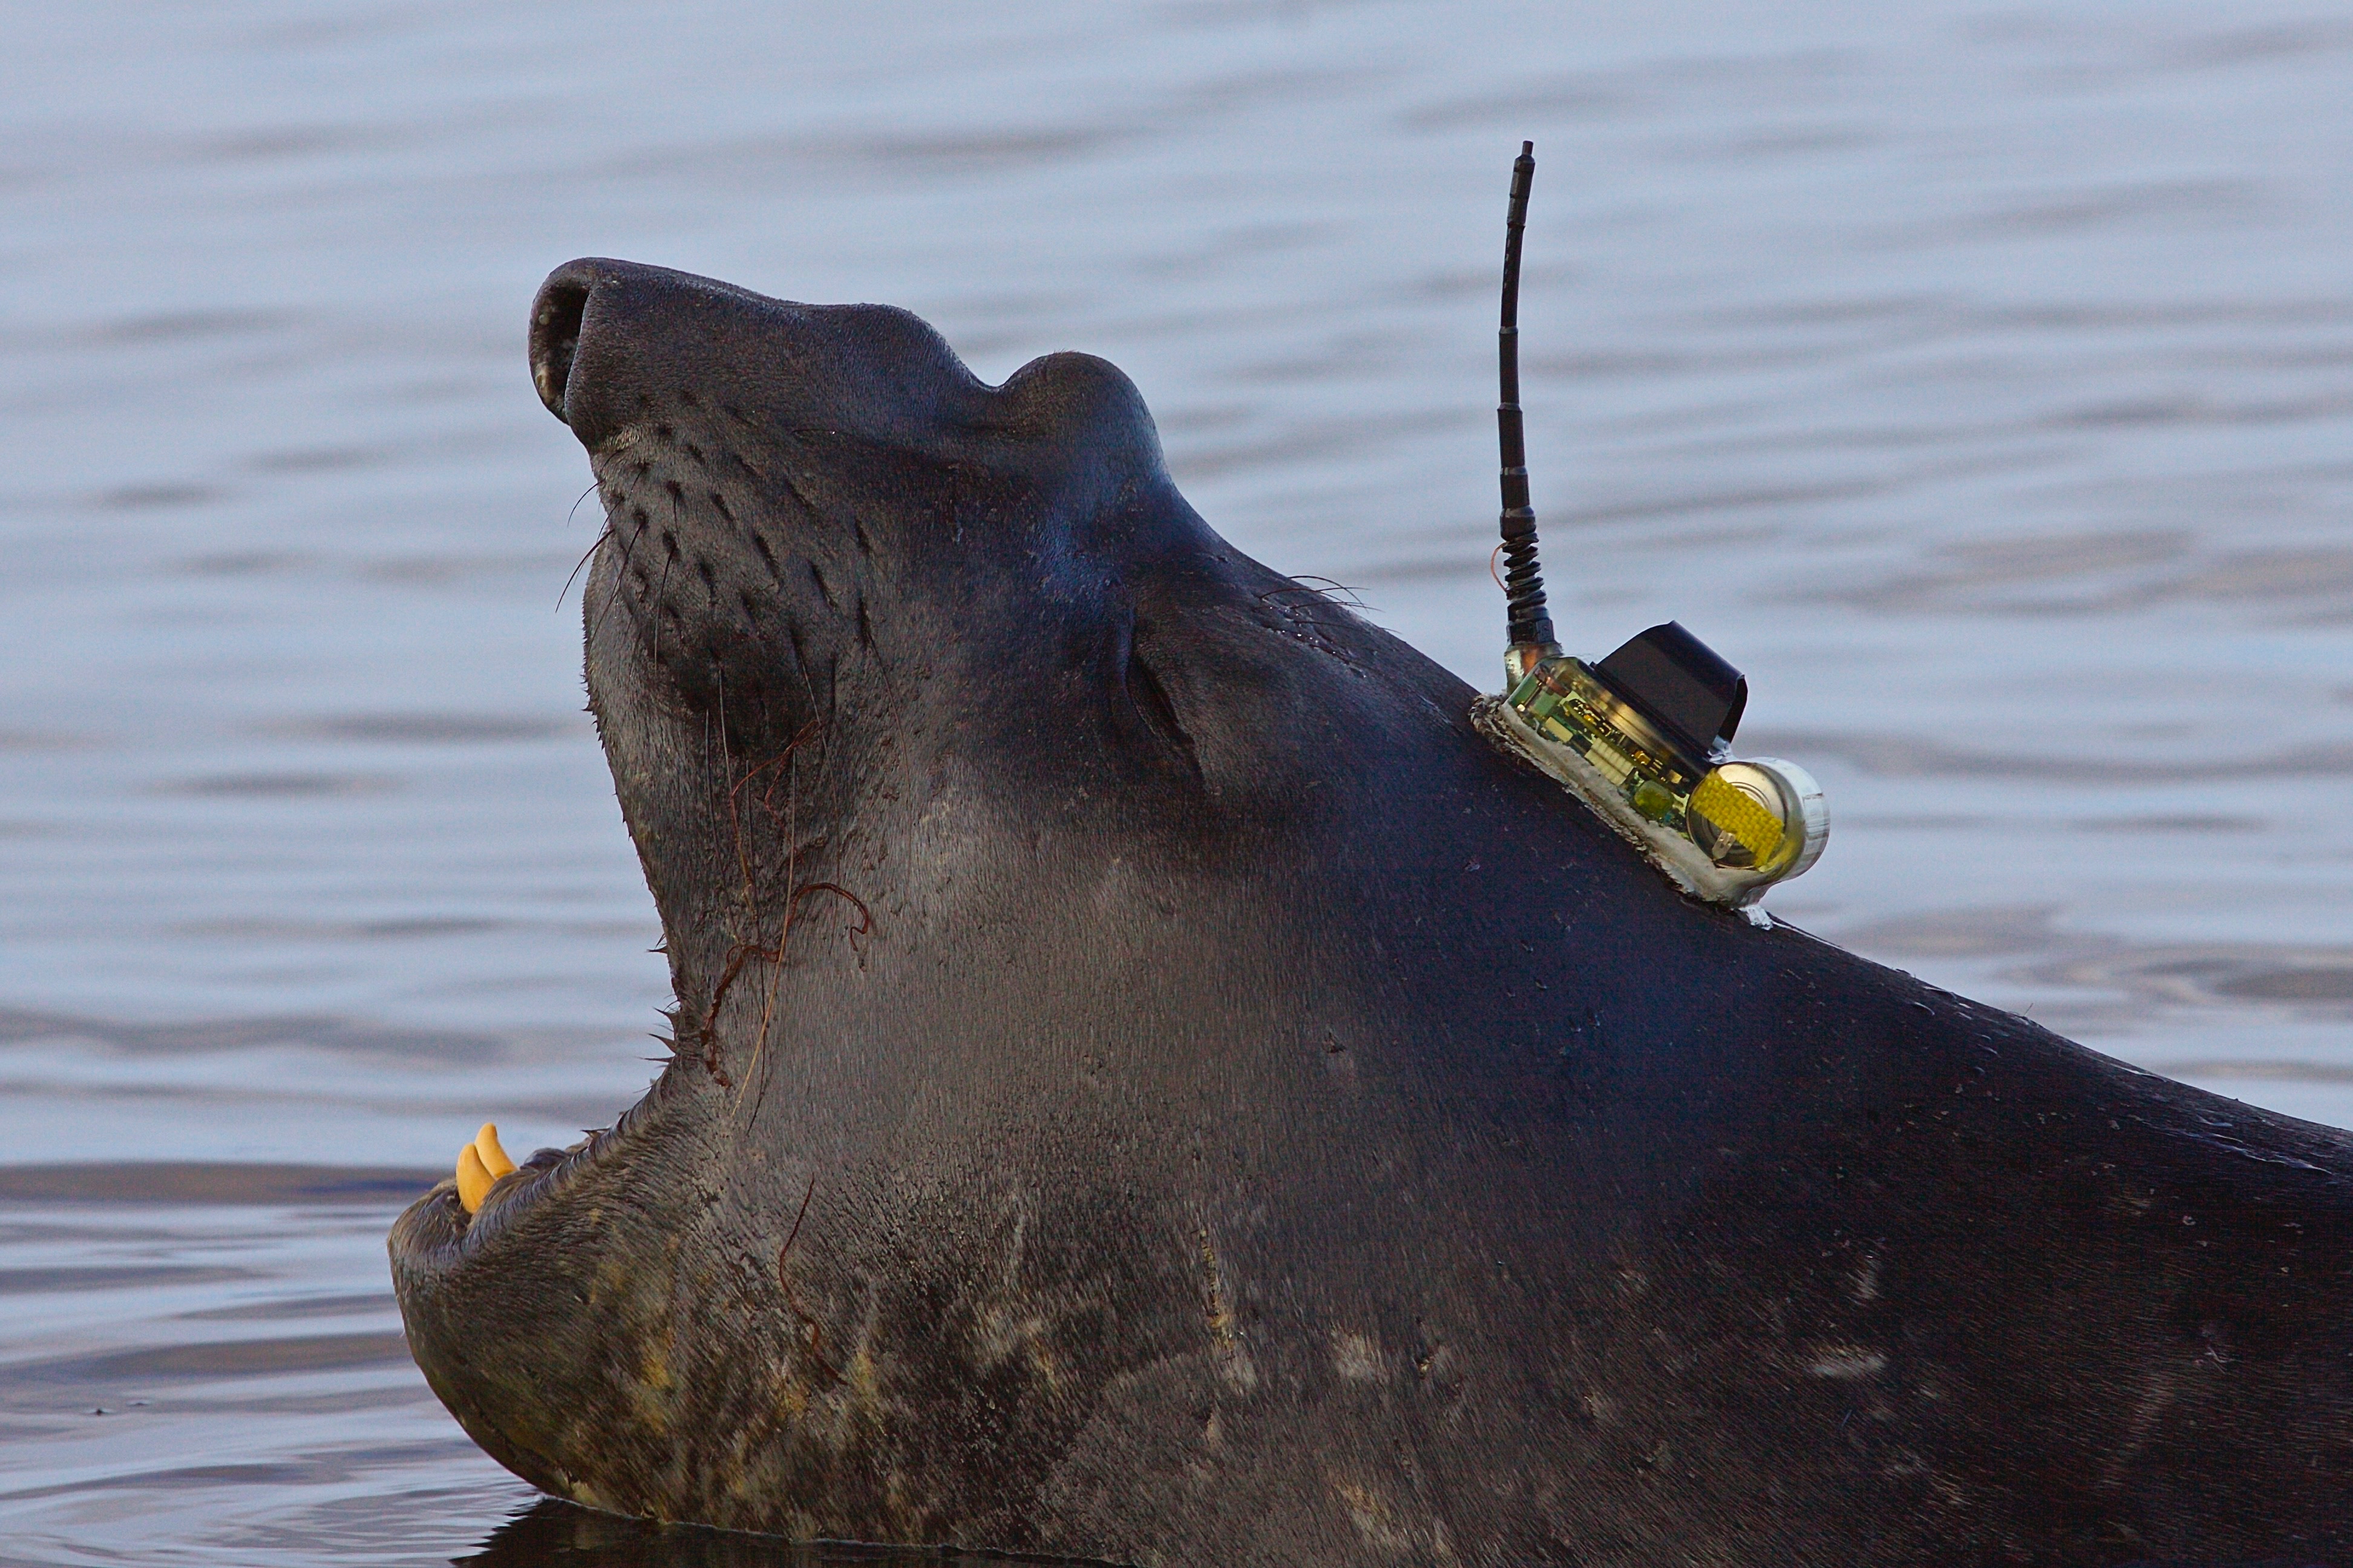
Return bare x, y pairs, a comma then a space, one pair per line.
1150, 1083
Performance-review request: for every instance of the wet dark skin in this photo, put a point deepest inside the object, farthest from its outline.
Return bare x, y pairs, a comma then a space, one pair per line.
1152, 1083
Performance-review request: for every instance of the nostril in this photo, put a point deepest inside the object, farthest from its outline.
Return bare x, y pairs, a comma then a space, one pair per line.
555, 337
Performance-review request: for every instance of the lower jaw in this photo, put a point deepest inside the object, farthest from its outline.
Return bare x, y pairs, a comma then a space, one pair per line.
514, 1312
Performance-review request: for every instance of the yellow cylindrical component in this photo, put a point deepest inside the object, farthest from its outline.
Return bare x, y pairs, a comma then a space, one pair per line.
1756, 828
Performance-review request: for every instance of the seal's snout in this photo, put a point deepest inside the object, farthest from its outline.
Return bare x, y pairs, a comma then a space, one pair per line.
555, 318
617, 342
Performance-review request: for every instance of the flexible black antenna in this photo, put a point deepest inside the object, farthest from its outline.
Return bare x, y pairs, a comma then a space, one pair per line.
1527, 621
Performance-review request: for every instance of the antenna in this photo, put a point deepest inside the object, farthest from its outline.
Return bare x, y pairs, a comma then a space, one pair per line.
1644, 737
1529, 625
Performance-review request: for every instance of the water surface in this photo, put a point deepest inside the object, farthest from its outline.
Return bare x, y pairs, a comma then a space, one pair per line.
1975, 375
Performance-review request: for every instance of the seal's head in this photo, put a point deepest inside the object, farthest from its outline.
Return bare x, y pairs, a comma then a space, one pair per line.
921, 697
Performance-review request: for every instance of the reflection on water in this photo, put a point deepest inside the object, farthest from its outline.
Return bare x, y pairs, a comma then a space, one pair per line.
1974, 374
554, 1532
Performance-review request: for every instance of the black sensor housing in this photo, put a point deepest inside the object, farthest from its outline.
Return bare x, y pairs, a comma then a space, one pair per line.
1682, 687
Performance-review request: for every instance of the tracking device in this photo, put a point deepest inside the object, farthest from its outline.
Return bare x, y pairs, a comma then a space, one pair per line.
1644, 736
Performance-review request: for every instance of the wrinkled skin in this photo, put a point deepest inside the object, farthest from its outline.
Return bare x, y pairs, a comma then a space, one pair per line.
1152, 1083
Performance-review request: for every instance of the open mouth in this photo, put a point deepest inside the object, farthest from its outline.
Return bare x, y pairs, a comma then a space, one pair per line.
495, 1210
488, 1193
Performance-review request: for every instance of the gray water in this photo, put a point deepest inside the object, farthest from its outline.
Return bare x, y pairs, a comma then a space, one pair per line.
1978, 377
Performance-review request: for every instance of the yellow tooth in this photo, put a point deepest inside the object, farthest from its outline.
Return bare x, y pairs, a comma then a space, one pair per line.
473, 1179
494, 1159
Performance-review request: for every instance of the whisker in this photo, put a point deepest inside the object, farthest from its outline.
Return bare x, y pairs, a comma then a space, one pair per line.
628, 544
603, 535
653, 642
